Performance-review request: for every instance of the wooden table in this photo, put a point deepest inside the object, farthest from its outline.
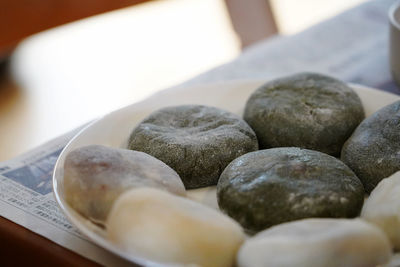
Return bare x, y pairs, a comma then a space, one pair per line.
340, 47
21, 247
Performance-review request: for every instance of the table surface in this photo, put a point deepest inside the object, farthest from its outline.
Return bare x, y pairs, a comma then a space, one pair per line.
352, 47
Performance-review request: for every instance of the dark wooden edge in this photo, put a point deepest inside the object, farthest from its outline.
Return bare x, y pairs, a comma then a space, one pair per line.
21, 18
22, 247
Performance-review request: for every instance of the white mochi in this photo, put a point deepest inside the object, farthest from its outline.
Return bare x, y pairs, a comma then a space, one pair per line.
394, 261
317, 242
94, 176
154, 224
382, 208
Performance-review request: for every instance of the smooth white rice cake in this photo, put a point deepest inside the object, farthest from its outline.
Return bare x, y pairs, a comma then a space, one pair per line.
170, 229
382, 208
315, 243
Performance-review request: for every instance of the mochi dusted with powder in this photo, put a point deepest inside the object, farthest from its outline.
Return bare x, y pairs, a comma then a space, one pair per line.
197, 141
272, 186
94, 176
307, 110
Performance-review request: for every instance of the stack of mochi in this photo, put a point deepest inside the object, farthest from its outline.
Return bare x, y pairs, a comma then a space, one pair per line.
286, 199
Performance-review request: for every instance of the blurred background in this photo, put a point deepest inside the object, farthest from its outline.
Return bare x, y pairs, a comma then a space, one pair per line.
53, 79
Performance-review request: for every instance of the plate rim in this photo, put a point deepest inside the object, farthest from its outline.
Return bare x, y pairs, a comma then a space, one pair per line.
103, 242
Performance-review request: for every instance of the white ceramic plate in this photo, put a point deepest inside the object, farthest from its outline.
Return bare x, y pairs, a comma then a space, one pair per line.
113, 130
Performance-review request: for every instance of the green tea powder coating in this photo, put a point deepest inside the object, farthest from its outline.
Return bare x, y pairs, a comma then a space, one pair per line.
373, 151
272, 186
198, 142
306, 110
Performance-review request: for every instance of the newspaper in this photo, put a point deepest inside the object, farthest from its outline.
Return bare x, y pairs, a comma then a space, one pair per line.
352, 47
26, 198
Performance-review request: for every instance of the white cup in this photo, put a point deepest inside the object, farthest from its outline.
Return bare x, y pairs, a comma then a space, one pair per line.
394, 17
